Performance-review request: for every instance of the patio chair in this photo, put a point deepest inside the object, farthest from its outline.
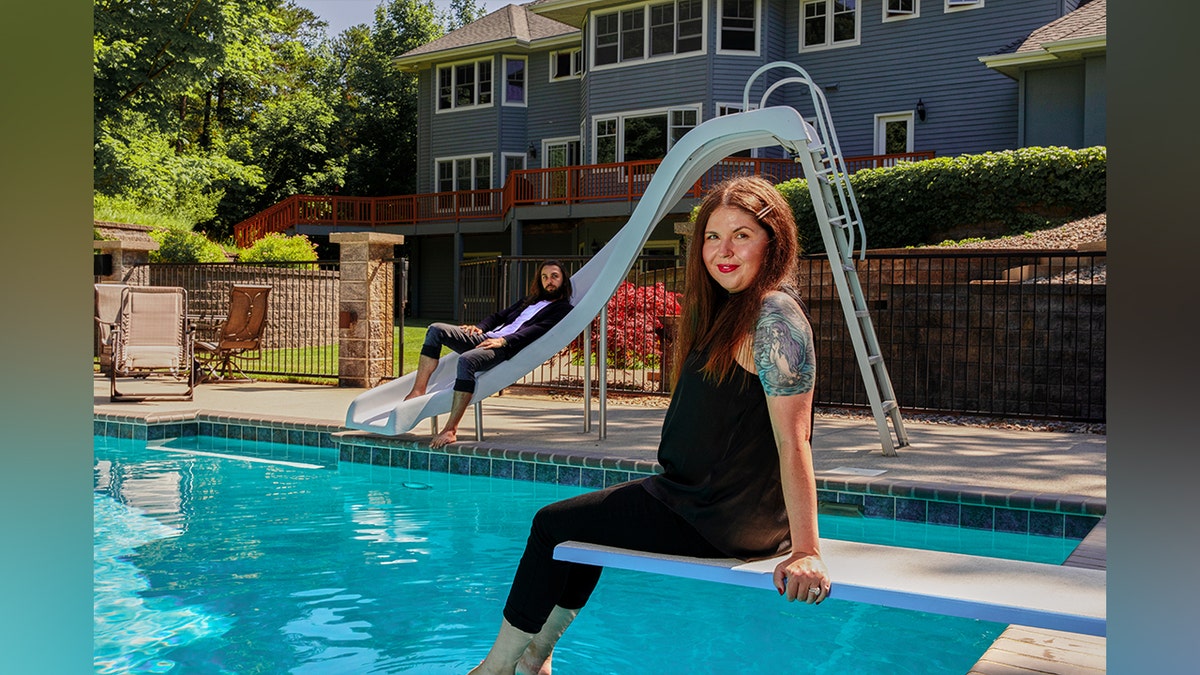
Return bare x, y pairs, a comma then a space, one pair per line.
108, 303
238, 336
152, 336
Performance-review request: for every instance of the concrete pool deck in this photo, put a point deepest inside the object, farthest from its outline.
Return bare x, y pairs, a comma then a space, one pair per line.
941, 457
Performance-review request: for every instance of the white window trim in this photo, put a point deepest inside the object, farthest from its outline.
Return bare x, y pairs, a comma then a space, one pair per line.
504, 86
757, 31
897, 116
829, 28
916, 13
476, 106
554, 60
454, 159
559, 140
504, 157
591, 39
620, 117
961, 5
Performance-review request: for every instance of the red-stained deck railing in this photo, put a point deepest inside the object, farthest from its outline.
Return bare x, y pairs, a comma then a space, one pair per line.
625, 181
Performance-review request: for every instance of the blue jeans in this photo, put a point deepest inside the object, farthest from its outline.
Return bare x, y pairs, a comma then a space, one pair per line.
470, 360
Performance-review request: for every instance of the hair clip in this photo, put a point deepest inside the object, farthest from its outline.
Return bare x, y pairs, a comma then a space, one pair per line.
762, 213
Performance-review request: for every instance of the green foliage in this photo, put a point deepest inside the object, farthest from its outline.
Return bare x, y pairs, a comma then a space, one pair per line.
910, 203
182, 246
121, 210
276, 247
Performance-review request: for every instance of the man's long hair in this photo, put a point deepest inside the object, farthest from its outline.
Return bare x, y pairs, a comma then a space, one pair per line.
712, 319
538, 292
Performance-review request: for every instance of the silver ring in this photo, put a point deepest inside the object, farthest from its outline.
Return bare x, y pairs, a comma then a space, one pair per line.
814, 591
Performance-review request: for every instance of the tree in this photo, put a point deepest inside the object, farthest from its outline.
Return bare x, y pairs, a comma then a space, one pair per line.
378, 103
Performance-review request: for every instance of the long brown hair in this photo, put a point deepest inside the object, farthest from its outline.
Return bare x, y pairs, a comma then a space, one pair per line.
713, 320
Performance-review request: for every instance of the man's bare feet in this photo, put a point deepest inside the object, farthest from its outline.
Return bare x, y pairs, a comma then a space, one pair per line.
447, 437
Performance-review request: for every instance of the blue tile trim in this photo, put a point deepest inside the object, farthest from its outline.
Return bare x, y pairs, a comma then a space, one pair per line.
1066, 516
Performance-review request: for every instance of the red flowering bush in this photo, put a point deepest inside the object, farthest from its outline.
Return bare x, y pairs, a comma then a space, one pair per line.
634, 326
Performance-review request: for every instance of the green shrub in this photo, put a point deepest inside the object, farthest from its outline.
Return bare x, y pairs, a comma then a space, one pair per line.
1011, 191
128, 211
184, 246
276, 247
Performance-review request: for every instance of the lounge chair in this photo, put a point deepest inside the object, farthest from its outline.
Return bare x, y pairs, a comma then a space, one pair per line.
237, 336
152, 336
108, 303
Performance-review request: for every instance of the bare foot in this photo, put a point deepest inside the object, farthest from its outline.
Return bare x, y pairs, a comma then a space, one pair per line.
447, 437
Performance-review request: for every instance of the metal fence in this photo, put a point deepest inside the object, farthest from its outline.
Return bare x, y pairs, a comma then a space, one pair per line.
968, 331
639, 316
301, 336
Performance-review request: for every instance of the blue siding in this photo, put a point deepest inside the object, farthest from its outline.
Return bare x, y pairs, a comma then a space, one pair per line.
554, 108
933, 58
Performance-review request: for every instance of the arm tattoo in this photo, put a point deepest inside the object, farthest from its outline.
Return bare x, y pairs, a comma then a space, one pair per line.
783, 348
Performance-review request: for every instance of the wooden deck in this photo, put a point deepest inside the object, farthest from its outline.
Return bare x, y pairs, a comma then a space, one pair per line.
1035, 651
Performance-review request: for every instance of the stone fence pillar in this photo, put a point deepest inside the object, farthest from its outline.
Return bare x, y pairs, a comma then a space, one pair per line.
125, 256
365, 310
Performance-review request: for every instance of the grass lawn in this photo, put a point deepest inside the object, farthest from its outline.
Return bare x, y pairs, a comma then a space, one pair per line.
323, 360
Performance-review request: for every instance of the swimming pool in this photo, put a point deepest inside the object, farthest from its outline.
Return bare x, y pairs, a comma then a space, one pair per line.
207, 562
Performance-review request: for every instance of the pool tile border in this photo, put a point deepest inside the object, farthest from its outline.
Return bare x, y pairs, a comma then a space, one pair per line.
999, 510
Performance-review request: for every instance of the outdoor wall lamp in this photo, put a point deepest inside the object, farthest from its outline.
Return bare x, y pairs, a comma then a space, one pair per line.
533, 151
921, 110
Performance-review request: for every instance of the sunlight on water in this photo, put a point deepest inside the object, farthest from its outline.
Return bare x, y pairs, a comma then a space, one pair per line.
214, 564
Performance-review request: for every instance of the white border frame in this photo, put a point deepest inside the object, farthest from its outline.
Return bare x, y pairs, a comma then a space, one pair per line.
620, 117
454, 158
437, 69
962, 6
553, 59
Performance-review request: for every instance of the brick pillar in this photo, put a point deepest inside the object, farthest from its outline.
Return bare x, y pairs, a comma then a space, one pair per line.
125, 255
365, 310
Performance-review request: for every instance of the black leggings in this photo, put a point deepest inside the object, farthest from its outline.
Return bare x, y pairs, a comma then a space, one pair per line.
624, 515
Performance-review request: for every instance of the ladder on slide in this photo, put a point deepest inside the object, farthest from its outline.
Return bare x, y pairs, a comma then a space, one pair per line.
838, 216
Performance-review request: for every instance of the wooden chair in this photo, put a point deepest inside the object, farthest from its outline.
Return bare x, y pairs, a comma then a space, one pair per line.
152, 335
237, 337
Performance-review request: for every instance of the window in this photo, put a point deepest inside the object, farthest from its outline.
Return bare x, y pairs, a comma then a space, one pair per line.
643, 135
514, 80
464, 173
513, 162
464, 85
648, 31
828, 23
894, 133
724, 109
566, 64
738, 21
956, 5
606, 141
898, 10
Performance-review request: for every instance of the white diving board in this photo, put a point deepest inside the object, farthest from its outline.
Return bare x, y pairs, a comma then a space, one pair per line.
1039, 595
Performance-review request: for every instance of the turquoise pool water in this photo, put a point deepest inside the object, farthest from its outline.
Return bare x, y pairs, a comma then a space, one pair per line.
208, 562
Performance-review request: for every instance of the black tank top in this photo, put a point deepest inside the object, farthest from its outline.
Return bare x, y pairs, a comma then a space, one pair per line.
721, 464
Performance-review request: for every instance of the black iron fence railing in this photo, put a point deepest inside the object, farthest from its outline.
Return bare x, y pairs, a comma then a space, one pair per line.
1003, 333
301, 336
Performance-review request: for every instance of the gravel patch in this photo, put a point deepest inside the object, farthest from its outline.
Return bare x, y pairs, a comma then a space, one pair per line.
1069, 236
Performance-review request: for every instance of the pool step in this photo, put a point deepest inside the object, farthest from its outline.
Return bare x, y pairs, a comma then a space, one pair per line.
1039, 595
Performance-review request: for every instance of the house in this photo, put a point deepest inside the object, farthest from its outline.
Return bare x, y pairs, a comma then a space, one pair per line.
1059, 69
539, 122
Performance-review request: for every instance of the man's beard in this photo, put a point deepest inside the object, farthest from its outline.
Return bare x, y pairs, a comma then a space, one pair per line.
550, 295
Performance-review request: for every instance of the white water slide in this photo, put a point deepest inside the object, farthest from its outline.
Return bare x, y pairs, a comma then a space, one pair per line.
383, 409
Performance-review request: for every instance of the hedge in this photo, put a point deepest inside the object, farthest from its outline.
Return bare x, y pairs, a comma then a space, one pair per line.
1006, 192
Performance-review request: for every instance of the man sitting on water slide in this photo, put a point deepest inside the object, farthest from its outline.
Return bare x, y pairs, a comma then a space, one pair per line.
495, 339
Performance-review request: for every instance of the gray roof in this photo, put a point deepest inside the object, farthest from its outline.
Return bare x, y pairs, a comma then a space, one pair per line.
510, 23
1087, 21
